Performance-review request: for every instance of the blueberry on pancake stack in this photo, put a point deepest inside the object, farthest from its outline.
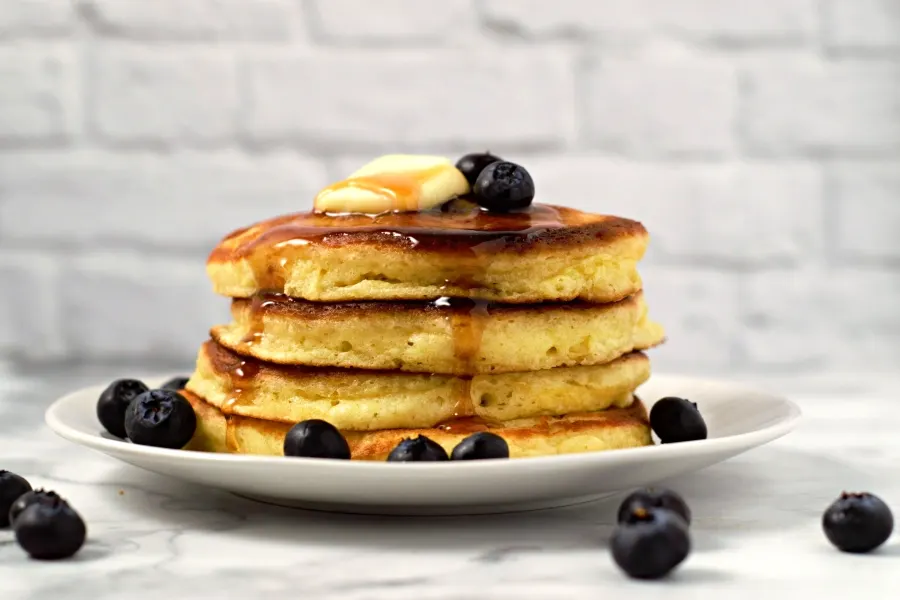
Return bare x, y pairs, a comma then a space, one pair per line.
426, 299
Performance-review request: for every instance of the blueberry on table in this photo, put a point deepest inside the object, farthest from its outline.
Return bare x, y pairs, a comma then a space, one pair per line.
418, 449
479, 446
677, 420
50, 530
26, 500
858, 522
649, 544
12, 486
654, 498
176, 383
113, 404
161, 418
503, 187
316, 439
471, 165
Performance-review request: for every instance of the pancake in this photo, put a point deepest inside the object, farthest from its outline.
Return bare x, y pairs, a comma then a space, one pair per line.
368, 400
545, 253
450, 336
584, 432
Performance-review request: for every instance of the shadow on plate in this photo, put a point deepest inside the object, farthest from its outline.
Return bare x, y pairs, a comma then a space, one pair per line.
771, 490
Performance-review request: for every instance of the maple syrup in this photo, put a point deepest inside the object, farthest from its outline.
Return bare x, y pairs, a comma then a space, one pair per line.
240, 373
258, 305
459, 226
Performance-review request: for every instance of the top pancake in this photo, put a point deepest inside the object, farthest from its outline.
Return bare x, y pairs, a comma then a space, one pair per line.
546, 253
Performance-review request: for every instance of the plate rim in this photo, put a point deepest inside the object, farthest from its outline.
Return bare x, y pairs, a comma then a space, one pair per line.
747, 439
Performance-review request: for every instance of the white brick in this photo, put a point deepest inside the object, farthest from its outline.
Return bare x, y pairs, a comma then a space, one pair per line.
250, 20
867, 215
838, 319
716, 20
180, 200
699, 310
37, 95
748, 213
835, 108
393, 99
30, 18
161, 96
661, 108
392, 20
132, 305
30, 323
862, 23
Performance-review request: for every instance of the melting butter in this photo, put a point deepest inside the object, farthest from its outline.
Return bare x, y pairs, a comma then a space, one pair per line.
395, 183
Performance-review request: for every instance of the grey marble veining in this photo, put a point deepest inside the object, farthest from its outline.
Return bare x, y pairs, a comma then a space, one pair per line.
756, 525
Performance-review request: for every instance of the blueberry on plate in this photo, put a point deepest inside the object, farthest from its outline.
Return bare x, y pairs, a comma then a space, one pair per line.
503, 187
161, 418
50, 530
316, 439
483, 444
649, 544
113, 404
858, 523
471, 165
176, 383
416, 449
654, 498
677, 420
26, 500
12, 486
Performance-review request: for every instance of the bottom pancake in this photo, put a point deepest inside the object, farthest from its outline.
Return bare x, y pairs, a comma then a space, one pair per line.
610, 429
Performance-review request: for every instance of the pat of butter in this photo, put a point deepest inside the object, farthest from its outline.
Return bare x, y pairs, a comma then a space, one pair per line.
395, 182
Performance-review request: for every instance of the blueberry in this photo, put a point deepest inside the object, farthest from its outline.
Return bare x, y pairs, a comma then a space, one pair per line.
677, 420
114, 401
161, 418
648, 544
11, 487
417, 449
473, 164
51, 530
176, 383
26, 500
504, 186
481, 445
654, 498
316, 439
858, 523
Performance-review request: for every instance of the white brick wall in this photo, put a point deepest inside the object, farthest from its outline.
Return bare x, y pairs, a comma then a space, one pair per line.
35, 18
38, 95
641, 128
729, 21
173, 97
396, 98
192, 20
759, 142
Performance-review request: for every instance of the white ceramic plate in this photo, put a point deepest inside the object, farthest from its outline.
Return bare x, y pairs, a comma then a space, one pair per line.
738, 419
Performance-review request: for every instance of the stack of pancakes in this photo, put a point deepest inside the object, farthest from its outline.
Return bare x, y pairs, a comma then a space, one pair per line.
443, 323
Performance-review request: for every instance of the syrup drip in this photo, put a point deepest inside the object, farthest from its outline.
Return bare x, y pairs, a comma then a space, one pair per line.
230, 437
258, 305
467, 325
241, 374
464, 426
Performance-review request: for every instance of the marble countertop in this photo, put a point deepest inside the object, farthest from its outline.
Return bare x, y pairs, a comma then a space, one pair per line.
756, 531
